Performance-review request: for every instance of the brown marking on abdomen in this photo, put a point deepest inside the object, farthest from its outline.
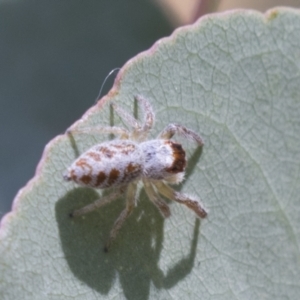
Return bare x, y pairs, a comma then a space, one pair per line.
131, 171
86, 179
107, 152
100, 178
125, 148
113, 176
131, 168
95, 156
83, 163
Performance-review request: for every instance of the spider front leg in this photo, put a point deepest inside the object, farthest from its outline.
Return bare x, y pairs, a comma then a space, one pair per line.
189, 134
147, 112
140, 130
126, 117
130, 204
155, 199
171, 194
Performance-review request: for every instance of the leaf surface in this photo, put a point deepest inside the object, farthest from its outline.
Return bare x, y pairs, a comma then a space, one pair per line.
233, 78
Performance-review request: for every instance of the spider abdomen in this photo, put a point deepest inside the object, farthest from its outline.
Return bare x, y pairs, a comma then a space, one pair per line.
107, 164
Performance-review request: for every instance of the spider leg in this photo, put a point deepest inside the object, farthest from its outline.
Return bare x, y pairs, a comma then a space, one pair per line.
124, 115
171, 129
96, 204
155, 199
130, 204
193, 204
148, 113
123, 133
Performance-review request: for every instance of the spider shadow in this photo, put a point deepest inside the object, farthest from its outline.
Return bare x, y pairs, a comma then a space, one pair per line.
192, 162
73, 144
133, 257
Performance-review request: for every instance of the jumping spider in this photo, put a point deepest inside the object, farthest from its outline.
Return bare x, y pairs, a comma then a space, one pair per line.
123, 162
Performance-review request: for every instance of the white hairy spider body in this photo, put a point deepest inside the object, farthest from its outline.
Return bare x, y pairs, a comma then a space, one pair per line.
122, 162
111, 164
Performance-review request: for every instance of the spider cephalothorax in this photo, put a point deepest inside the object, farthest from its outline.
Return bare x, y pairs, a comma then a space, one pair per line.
122, 162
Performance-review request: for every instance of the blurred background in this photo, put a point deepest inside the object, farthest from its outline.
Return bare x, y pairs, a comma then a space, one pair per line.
54, 56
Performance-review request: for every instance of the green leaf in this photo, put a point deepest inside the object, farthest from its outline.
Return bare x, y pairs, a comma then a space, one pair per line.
233, 78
